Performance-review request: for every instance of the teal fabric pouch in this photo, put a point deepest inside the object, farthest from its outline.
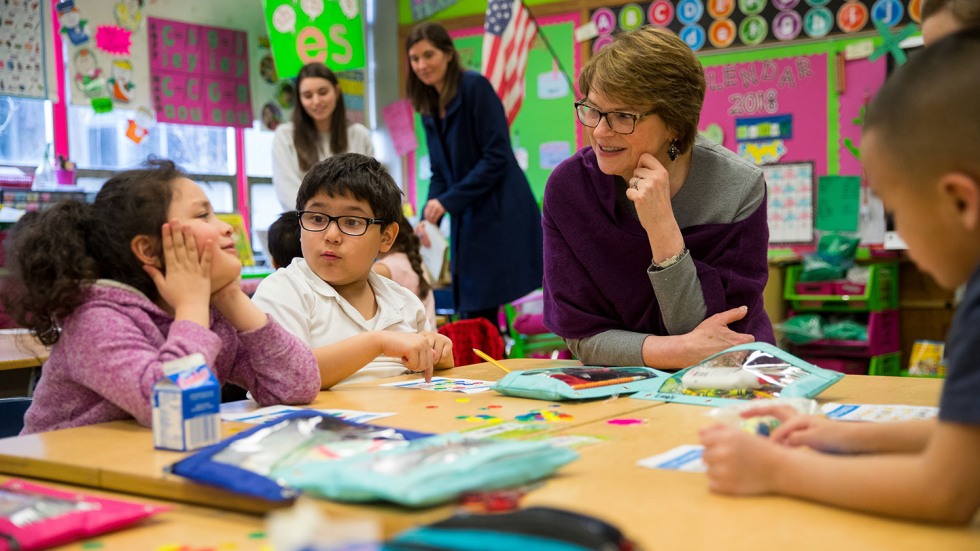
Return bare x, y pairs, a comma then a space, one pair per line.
753, 371
578, 383
428, 471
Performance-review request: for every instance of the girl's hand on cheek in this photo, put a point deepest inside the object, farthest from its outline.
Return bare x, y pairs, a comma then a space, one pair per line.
185, 280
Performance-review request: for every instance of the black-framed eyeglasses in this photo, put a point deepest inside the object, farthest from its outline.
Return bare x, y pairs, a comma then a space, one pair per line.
619, 122
355, 226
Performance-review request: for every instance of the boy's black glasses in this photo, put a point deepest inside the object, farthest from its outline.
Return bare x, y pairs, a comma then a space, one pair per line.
619, 121
351, 225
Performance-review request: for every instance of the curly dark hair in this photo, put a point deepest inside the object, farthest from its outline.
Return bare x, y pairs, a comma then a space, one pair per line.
53, 256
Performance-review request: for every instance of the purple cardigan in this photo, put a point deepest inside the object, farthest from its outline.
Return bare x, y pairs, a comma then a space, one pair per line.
113, 346
596, 257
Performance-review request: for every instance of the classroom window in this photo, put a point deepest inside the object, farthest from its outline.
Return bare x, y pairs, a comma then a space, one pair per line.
264, 204
196, 149
25, 130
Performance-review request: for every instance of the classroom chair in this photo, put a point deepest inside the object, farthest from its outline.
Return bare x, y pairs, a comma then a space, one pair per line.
12, 415
529, 338
473, 333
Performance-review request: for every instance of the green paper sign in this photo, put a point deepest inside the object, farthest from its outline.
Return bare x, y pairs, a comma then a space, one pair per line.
325, 31
838, 203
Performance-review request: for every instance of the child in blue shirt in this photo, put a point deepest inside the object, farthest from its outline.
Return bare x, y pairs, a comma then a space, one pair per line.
920, 155
360, 325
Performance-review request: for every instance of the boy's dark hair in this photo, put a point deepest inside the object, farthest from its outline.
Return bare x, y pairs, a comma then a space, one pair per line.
927, 114
283, 239
52, 256
357, 176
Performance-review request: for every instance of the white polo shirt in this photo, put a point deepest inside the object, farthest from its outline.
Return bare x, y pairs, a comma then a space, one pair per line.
311, 309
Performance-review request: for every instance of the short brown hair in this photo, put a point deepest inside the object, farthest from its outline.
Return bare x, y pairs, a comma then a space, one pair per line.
926, 113
651, 67
966, 12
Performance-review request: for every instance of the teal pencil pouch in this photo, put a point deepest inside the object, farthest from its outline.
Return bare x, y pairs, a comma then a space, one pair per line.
753, 371
429, 470
578, 383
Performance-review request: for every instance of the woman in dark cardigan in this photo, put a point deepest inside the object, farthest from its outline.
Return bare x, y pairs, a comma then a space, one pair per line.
655, 239
496, 224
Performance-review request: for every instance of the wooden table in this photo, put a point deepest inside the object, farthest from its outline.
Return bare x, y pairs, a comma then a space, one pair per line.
19, 349
665, 509
660, 509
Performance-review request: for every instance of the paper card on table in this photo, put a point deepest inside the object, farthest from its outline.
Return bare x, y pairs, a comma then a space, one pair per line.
877, 413
504, 431
682, 458
446, 384
262, 415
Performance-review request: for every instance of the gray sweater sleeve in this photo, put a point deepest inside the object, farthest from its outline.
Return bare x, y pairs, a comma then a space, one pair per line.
680, 296
614, 347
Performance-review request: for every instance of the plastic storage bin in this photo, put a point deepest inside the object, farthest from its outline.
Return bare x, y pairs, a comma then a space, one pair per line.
883, 338
881, 292
885, 364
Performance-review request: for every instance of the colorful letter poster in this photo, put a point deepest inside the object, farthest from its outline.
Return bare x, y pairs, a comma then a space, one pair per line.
199, 74
22, 51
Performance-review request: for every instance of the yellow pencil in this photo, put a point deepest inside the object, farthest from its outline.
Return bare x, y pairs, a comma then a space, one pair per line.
484, 355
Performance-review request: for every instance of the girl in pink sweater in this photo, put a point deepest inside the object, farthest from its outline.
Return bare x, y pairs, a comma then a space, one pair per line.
145, 274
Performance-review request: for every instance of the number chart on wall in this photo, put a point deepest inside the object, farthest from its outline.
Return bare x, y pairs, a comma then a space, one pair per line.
199, 74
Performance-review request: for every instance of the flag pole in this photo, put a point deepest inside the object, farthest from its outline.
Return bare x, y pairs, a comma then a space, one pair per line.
551, 50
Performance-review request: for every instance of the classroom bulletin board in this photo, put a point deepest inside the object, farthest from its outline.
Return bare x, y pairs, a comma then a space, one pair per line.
545, 131
105, 41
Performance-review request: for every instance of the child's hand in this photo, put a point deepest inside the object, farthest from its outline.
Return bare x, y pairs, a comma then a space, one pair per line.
738, 463
186, 285
413, 348
442, 349
813, 431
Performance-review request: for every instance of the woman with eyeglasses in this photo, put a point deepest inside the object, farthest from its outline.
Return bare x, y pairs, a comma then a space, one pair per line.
655, 239
496, 224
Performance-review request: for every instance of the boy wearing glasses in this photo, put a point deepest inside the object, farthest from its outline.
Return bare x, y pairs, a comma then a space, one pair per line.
361, 326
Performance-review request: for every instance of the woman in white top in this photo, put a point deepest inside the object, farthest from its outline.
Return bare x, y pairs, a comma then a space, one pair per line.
319, 130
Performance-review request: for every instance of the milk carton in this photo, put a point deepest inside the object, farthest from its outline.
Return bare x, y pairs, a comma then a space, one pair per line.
186, 405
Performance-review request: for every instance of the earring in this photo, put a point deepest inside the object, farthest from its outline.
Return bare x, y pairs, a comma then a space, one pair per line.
673, 151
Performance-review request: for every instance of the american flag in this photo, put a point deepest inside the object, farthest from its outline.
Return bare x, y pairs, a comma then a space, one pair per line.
508, 34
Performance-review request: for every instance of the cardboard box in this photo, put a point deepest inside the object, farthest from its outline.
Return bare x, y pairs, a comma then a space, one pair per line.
186, 406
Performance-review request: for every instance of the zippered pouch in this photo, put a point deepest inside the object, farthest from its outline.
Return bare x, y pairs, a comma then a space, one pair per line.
428, 470
540, 528
246, 463
578, 383
753, 371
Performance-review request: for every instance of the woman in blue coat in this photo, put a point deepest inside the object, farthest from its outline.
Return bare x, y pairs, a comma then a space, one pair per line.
496, 224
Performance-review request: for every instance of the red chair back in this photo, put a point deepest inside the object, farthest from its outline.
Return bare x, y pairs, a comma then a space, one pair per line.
473, 333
